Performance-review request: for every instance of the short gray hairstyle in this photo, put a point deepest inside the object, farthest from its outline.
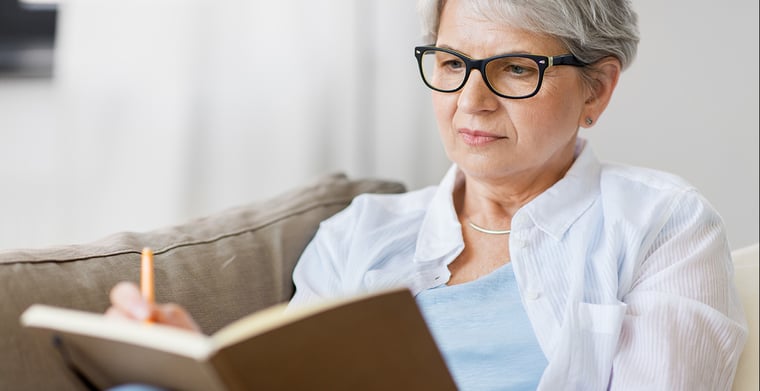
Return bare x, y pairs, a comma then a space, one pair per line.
590, 29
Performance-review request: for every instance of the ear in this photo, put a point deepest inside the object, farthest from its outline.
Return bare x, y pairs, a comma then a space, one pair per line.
604, 76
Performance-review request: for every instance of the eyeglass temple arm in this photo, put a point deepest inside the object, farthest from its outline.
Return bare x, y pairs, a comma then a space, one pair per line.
566, 59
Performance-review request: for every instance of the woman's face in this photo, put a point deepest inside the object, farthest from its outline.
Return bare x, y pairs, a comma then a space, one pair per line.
496, 138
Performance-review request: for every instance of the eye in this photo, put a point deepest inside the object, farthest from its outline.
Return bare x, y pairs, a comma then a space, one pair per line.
515, 69
453, 64
512, 67
447, 62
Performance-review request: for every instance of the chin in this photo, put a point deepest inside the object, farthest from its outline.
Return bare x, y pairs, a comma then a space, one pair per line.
480, 166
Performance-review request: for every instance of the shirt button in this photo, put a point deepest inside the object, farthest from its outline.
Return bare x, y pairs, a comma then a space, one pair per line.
532, 295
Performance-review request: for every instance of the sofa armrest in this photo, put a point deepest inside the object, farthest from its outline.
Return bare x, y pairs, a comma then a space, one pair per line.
220, 267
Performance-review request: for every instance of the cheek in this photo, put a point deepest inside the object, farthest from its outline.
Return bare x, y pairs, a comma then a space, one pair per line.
554, 111
565, 97
444, 108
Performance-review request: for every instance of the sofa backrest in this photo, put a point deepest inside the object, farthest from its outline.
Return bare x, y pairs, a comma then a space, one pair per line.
220, 268
746, 269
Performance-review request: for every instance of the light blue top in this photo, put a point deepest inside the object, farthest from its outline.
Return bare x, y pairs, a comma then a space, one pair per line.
484, 333
616, 265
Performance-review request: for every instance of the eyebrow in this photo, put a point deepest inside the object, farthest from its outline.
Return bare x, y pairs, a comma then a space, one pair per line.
444, 46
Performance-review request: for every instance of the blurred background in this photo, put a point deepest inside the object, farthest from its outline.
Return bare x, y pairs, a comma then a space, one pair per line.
139, 114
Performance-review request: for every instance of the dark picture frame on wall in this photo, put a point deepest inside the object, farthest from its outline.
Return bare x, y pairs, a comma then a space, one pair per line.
27, 38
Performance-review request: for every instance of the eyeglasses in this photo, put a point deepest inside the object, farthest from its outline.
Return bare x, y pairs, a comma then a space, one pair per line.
514, 76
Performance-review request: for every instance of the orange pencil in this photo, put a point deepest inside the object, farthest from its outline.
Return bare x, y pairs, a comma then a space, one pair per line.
146, 276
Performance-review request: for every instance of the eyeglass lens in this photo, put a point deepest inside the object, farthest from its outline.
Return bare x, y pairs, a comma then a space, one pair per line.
511, 76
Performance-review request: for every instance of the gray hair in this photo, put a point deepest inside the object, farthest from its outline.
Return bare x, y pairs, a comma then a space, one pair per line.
590, 29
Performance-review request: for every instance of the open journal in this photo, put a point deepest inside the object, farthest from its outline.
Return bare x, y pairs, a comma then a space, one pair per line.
371, 342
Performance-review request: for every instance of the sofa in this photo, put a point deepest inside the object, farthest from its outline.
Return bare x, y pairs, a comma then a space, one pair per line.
220, 267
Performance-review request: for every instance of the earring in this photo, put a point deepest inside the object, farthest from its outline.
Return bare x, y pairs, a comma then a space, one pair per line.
589, 121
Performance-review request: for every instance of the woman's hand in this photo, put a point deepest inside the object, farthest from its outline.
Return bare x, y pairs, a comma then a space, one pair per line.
128, 303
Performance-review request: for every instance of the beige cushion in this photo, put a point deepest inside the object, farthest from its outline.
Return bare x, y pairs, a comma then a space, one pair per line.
220, 268
748, 284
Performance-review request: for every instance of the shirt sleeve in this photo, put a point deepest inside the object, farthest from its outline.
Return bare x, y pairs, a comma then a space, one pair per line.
684, 328
317, 275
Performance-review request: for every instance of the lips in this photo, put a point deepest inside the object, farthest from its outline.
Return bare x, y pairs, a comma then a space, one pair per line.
478, 137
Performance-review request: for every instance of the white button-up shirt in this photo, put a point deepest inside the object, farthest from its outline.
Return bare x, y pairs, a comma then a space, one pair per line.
624, 272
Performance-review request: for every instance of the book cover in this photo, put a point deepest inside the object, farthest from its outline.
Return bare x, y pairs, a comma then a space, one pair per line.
371, 342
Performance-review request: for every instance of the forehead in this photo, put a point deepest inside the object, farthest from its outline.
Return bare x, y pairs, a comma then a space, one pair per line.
464, 27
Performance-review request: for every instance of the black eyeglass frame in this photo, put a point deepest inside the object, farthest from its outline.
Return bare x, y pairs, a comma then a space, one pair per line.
543, 63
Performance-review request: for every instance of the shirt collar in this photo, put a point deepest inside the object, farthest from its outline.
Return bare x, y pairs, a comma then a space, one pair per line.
556, 209
553, 211
441, 234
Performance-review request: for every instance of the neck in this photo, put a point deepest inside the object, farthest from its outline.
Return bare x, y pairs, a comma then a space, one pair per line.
489, 202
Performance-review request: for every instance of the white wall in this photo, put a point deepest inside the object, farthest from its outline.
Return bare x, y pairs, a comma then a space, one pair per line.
145, 130
689, 104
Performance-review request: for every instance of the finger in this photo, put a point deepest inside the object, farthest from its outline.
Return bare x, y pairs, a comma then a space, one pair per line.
115, 313
126, 297
174, 315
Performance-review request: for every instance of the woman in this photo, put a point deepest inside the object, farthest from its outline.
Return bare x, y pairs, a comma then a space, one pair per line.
535, 265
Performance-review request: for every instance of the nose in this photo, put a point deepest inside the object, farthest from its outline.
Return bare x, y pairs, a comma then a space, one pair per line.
475, 96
